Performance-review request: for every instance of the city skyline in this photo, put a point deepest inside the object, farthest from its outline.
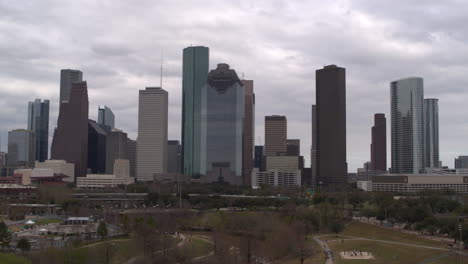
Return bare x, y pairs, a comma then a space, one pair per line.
368, 76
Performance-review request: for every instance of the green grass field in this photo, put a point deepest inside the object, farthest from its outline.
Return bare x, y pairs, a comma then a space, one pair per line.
380, 233
13, 259
386, 253
47, 221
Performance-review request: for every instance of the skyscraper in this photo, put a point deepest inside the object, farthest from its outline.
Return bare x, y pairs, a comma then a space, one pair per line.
461, 162
38, 121
131, 155
152, 133
97, 138
67, 78
431, 133
173, 156
194, 76
116, 148
407, 125
70, 142
106, 117
313, 149
222, 123
21, 149
293, 147
249, 131
275, 135
379, 143
258, 157
331, 125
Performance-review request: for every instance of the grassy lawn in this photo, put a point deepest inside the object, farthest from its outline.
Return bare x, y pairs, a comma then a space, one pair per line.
383, 253
452, 259
374, 232
12, 259
47, 221
197, 247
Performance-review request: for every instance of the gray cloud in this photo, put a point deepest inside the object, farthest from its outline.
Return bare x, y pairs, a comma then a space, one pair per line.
278, 44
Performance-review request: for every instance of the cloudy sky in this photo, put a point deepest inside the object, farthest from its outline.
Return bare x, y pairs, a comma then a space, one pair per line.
278, 44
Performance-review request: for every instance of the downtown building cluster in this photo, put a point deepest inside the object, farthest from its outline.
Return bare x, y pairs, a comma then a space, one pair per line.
218, 134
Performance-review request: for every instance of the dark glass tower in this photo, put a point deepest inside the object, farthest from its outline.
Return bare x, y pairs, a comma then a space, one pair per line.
222, 123
38, 121
106, 117
70, 142
96, 148
379, 143
21, 149
331, 125
194, 75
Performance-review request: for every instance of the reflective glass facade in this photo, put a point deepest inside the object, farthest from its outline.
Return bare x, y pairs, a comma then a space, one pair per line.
38, 122
106, 117
431, 133
21, 148
407, 125
194, 75
222, 120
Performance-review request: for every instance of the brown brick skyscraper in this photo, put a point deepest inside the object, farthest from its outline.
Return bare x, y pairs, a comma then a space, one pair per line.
249, 128
331, 125
70, 141
275, 135
379, 143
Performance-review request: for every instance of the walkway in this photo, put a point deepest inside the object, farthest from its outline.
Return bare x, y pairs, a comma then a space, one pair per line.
326, 249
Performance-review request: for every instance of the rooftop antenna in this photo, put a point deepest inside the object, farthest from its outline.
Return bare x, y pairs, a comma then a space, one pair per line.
161, 74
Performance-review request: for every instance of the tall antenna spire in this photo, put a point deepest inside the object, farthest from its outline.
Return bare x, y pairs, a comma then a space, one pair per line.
161, 74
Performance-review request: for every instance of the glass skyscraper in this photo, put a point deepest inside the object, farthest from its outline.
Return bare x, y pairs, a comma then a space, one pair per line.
67, 78
38, 122
407, 125
21, 149
195, 72
106, 117
222, 125
431, 133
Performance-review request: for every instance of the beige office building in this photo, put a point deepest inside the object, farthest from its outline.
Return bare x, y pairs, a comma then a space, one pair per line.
420, 182
152, 133
59, 167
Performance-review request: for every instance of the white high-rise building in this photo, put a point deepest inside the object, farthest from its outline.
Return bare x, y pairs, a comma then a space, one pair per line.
407, 96
152, 133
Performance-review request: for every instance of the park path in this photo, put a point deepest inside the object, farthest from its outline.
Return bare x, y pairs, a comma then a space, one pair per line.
211, 253
326, 249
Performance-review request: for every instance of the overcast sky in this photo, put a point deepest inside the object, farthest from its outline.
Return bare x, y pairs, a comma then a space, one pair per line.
278, 44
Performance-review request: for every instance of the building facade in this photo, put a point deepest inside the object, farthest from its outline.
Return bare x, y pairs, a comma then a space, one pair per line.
407, 125
67, 78
70, 142
222, 125
379, 143
293, 147
173, 156
38, 121
60, 167
431, 133
21, 149
152, 133
461, 162
415, 183
106, 117
276, 178
194, 75
313, 149
249, 131
131, 156
116, 148
97, 138
331, 166
258, 156
276, 134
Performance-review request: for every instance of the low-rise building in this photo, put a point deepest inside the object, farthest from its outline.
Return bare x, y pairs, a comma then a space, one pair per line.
18, 193
420, 182
365, 186
276, 178
97, 181
59, 167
